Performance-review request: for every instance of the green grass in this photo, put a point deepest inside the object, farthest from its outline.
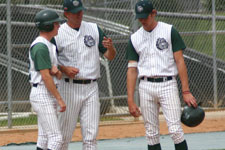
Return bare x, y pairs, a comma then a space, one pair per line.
32, 120
110, 119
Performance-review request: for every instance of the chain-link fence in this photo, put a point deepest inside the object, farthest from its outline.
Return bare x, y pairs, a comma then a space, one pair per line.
200, 23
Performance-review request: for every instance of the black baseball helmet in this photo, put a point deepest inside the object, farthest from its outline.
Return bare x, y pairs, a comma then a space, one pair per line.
191, 116
45, 19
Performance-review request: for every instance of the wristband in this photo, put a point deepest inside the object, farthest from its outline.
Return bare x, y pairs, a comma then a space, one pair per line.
132, 64
186, 92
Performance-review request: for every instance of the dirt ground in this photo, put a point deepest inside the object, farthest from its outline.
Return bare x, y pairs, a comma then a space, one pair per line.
213, 122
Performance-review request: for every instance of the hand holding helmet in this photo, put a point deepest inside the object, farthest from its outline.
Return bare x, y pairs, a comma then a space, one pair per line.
191, 116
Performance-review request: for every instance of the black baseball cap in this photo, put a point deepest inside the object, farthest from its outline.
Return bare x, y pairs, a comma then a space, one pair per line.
73, 6
143, 8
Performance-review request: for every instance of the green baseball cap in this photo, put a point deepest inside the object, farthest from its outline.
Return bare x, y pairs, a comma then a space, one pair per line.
143, 8
73, 6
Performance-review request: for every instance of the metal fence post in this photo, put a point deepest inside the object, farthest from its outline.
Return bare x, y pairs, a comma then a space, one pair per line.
112, 105
214, 54
9, 66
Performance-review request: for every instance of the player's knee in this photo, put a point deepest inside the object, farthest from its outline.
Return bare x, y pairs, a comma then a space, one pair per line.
176, 133
59, 139
177, 137
89, 144
153, 139
65, 144
42, 142
56, 140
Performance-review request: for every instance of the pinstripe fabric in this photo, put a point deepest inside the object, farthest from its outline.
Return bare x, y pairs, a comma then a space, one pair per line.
35, 75
82, 102
73, 52
152, 60
165, 95
45, 105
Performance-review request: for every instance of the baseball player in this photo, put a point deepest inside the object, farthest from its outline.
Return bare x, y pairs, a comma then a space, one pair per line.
79, 45
155, 57
44, 76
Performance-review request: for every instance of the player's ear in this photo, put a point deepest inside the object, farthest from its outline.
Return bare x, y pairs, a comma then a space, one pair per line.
154, 12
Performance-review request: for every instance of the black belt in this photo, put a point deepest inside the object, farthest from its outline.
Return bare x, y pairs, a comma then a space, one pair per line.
161, 79
35, 84
80, 81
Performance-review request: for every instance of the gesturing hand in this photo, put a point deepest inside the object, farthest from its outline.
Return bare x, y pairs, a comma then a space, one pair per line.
107, 43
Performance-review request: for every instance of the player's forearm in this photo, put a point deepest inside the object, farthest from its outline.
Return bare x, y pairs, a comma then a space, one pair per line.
182, 70
131, 83
110, 53
49, 84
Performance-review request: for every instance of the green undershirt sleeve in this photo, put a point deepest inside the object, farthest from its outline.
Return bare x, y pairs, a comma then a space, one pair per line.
131, 53
101, 48
177, 41
40, 56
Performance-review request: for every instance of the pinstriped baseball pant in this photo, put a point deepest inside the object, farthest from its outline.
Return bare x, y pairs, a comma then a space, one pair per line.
165, 95
45, 105
82, 101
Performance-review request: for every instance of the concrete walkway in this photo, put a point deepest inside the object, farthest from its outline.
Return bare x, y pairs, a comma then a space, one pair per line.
196, 141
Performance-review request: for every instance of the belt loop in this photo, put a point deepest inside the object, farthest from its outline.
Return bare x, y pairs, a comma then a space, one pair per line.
145, 78
165, 79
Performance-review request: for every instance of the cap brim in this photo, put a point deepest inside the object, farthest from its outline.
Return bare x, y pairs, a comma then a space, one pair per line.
141, 16
76, 10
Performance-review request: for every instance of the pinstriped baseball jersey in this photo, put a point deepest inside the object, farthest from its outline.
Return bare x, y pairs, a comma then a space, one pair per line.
42, 56
35, 76
156, 47
155, 51
79, 49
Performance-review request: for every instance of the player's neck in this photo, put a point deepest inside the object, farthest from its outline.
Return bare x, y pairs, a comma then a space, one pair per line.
151, 26
72, 25
46, 35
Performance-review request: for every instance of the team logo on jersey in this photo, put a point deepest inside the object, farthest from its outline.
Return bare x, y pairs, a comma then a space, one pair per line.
76, 3
161, 44
140, 8
89, 41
